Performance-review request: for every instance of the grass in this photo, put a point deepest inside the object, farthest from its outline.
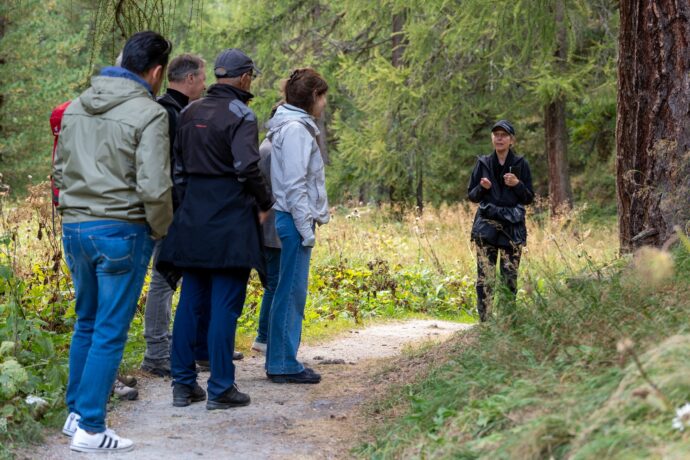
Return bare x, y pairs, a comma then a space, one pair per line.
549, 382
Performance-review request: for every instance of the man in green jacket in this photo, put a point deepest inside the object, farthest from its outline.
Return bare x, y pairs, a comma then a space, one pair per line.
112, 168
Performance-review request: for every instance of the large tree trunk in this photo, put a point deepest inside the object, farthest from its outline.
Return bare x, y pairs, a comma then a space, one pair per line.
653, 126
555, 130
556, 134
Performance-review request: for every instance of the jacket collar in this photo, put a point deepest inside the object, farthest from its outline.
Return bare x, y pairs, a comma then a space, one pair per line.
225, 90
121, 72
511, 158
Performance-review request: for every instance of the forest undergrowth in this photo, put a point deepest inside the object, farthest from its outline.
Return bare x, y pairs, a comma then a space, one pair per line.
369, 264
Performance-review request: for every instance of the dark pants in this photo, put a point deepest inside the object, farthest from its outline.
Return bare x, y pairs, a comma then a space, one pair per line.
487, 256
220, 295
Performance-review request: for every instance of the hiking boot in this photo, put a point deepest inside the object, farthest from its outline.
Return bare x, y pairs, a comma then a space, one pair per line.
230, 398
306, 376
260, 347
157, 371
107, 441
128, 380
184, 395
203, 366
122, 391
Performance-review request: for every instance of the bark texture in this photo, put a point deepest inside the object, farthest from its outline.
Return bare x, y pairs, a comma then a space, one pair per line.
653, 126
555, 129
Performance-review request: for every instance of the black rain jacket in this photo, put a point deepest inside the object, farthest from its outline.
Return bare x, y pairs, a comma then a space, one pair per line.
500, 218
219, 184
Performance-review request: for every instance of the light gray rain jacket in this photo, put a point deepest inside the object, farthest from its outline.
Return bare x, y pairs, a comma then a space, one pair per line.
297, 171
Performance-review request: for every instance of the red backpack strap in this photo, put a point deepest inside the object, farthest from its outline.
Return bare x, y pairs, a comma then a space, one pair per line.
55, 124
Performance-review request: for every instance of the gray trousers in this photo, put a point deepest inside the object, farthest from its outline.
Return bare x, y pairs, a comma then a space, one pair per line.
157, 317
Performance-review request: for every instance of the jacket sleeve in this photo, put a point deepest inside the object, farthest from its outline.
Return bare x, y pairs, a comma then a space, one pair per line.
245, 152
153, 173
512, 214
58, 165
524, 190
179, 173
475, 192
296, 151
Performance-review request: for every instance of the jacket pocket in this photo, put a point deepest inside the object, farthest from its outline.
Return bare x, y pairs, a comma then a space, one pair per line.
114, 255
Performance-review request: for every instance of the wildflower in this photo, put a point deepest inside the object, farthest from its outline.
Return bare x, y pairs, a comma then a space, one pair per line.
682, 418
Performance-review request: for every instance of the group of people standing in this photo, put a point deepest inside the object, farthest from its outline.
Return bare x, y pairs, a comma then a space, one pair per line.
183, 179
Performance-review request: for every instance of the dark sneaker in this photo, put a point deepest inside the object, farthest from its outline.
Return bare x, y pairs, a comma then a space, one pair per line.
122, 391
231, 398
184, 395
306, 376
155, 370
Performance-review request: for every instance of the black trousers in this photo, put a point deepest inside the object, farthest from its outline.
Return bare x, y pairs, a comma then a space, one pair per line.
487, 257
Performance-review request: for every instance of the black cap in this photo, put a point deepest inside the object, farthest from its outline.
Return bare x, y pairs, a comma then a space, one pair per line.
233, 63
505, 126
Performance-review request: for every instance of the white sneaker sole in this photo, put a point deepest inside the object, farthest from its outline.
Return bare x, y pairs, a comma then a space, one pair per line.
97, 450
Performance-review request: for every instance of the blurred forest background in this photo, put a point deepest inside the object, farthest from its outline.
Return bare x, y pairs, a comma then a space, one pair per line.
415, 85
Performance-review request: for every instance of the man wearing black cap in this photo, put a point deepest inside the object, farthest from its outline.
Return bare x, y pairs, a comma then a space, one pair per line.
215, 236
502, 185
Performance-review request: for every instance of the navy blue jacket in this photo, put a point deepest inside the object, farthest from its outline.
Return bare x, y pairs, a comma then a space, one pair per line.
500, 218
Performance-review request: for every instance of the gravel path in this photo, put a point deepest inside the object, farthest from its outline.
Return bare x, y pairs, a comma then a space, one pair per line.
283, 421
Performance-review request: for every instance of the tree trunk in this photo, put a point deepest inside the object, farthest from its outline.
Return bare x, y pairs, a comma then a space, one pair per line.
556, 133
555, 130
653, 126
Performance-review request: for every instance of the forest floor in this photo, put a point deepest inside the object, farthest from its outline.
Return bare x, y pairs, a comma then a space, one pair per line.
282, 421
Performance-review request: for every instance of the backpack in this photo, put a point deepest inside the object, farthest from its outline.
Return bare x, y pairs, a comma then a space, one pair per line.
55, 125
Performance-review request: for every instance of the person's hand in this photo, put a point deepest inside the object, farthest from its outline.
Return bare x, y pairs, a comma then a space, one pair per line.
511, 179
486, 183
263, 215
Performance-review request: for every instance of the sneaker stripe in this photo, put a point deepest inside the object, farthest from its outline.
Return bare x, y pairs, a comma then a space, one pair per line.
115, 445
105, 438
110, 441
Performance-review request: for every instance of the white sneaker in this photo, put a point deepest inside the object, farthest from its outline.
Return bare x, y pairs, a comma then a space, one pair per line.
72, 423
260, 347
104, 442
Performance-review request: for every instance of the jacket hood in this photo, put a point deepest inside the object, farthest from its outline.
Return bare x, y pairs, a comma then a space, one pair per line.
287, 113
108, 92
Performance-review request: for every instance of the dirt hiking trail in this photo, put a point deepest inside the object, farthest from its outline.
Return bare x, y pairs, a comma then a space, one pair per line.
282, 421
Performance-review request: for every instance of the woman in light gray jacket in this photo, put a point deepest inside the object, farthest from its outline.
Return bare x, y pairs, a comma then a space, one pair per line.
299, 187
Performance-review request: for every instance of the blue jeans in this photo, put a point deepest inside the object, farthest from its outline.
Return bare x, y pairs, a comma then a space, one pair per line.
223, 293
108, 261
287, 309
272, 258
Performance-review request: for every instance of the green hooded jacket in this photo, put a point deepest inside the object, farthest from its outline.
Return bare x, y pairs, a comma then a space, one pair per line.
112, 160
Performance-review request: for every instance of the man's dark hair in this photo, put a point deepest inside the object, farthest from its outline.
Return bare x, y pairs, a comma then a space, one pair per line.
145, 50
184, 65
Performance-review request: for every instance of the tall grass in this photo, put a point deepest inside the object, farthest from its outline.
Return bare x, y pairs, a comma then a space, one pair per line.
549, 381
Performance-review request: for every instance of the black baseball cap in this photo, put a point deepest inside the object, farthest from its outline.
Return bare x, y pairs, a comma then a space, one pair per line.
505, 126
232, 62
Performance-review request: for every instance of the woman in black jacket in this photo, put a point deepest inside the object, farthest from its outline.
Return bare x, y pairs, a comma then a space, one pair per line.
502, 185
